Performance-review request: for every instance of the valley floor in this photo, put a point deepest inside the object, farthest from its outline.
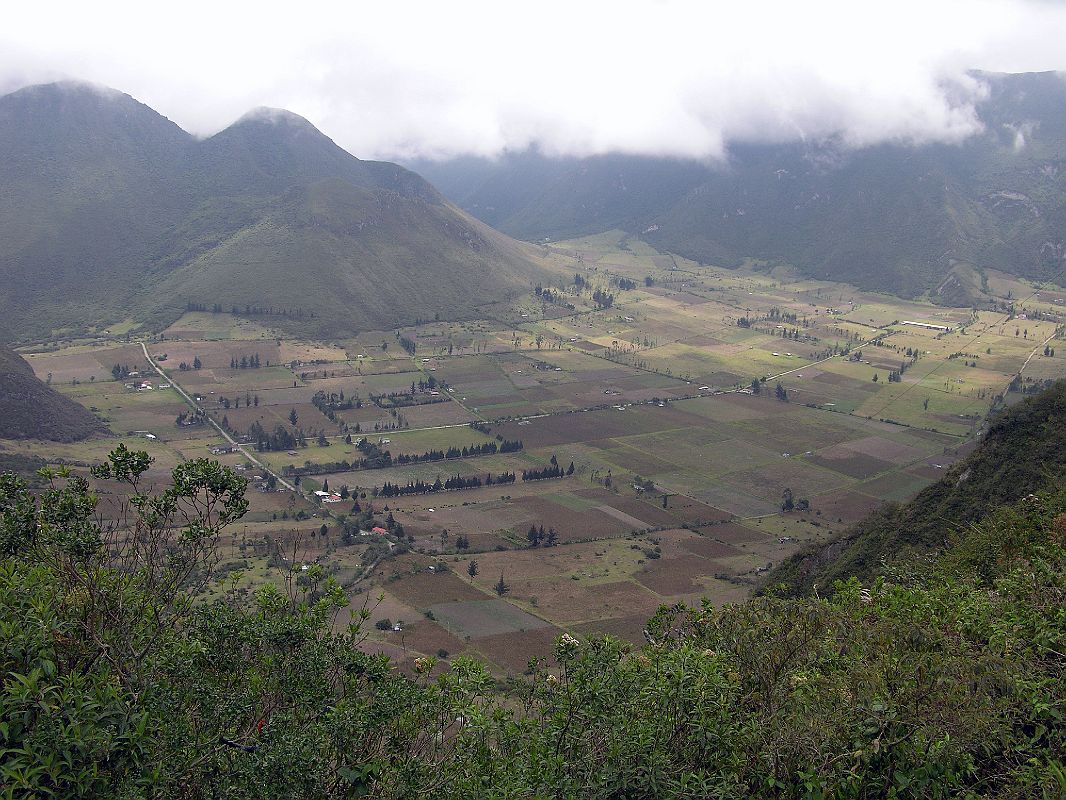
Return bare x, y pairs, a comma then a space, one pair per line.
680, 470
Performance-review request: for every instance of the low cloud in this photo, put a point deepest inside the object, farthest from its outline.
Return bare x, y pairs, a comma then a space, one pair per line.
441, 79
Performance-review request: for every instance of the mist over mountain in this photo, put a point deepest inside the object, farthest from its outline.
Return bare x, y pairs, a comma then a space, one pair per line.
108, 210
897, 217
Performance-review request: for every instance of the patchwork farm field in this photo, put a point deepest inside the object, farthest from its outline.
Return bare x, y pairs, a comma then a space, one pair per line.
563, 464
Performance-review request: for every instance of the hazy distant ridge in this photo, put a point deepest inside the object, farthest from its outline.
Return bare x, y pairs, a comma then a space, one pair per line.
892, 217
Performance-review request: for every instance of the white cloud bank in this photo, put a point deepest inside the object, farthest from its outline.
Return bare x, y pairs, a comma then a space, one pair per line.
435, 79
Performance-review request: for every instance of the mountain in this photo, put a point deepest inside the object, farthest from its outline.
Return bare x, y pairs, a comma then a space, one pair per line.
1023, 452
891, 217
108, 210
29, 409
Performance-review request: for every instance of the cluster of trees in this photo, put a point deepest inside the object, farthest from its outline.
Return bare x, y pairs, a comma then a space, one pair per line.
554, 297
417, 396
776, 315
453, 483
553, 470
331, 402
362, 519
625, 283
790, 503
196, 364
120, 371
281, 438
245, 362
188, 418
536, 534
603, 299
392, 526
373, 456
409, 345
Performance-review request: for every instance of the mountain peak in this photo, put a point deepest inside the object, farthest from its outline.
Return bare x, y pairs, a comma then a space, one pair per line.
276, 116
70, 87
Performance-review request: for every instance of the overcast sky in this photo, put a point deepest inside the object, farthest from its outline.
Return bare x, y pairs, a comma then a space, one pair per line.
402, 79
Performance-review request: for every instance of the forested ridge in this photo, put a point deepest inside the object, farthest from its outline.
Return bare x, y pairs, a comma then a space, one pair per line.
945, 679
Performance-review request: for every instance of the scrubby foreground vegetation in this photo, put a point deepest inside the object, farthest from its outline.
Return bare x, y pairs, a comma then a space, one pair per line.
946, 681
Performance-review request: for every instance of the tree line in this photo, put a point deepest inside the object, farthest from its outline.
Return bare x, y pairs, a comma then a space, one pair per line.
249, 310
376, 458
457, 482
553, 470
245, 362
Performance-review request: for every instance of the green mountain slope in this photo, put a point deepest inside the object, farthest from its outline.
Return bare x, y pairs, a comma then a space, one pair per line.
356, 258
108, 210
86, 184
29, 409
1023, 452
890, 217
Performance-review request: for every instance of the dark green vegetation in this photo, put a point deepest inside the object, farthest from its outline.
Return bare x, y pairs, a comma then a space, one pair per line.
30, 409
892, 217
948, 682
109, 211
1024, 451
